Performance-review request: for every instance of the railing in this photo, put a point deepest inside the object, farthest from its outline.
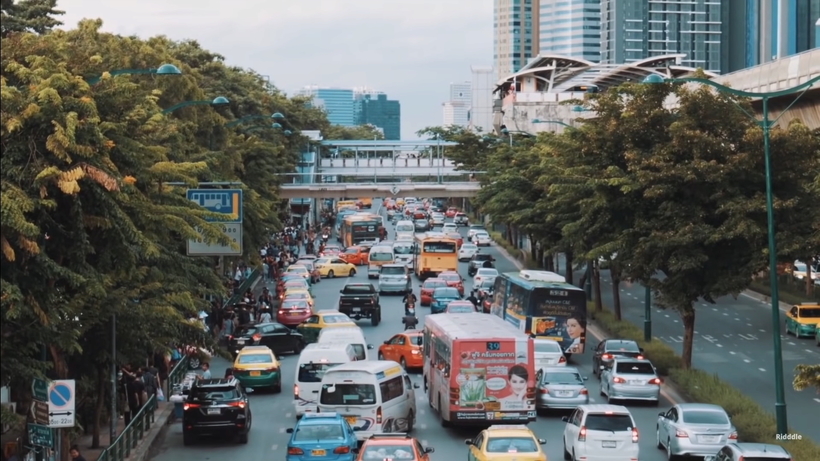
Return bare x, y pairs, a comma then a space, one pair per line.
244, 287
142, 422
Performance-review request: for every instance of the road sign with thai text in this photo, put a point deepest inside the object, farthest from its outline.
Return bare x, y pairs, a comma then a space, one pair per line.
40, 436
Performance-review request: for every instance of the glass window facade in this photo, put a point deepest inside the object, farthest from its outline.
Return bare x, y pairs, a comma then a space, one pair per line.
570, 28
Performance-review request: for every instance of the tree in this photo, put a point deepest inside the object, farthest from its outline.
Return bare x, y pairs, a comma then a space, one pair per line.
473, 148
349, 133
807, 376
28, 16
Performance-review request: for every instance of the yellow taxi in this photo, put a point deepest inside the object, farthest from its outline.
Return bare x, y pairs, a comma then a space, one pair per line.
300, 270
314, 325
803, 319
506, 442
299, 294
257, 366
333, 266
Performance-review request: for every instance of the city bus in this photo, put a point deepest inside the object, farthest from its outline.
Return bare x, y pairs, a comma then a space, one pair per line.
544, 305
340, 218
434, 254
478, 370
357, 228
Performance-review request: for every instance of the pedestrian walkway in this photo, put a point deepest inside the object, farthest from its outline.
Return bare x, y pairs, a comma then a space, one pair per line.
93, 454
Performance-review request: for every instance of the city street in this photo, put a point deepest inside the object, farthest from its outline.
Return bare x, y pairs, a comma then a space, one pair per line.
273, 414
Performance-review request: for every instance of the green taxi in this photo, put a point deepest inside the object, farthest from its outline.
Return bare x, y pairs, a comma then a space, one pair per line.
257, 366
803, 320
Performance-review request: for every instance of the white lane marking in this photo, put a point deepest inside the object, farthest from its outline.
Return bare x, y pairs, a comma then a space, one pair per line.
727, 336
288, 415
732, 352
282, 430
274, 447
667, 315
809, 350
704, 304
719, 345
817, 400
748, 324
726, 314
792, 344
762, 369
714, 309
747, 360
762, 330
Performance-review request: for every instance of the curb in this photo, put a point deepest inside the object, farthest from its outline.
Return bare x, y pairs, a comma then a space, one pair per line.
154, 436
784, 307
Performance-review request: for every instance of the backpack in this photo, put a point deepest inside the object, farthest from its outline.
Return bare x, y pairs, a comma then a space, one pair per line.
150, 382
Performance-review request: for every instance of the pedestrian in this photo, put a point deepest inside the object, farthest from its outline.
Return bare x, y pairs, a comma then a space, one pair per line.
206, 370
75, 453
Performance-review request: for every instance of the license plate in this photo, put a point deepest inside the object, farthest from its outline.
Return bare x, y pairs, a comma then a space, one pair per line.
609, 444
293, 314
709, 439
318, 452
356, 309
351, 419
256, 373
564, 393
635, 381
214, 411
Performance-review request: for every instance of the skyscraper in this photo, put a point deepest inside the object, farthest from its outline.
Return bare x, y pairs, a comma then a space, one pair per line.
338, 102
481, 98
373, 108
515, 30
570, 28
456, 111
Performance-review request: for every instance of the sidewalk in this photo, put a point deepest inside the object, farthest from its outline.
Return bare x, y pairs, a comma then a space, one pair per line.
93, 454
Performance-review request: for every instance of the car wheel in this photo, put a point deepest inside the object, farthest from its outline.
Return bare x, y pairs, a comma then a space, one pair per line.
444, 422
330, 274
786, 325
411, 421
299, 346
403, 363
187, 439
375, 318
277, 388
567, 456
381, 356
351, 273
669, 455
658, 438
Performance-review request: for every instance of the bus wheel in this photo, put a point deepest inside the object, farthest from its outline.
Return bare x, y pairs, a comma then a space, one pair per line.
444, 422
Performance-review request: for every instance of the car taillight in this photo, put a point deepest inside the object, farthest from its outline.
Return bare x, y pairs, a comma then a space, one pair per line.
634, 435
379, 415
584, 391
272, 369
230, 337
681, 434
640, 357
295, 451
733, 436
582, 434
341, 450
562, 359
281, 312
618, 380
607, 356
295, 391
655, 381
544, 391
188, 406
257, 337
237, 404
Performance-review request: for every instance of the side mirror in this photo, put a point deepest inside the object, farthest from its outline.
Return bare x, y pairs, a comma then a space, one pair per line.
586, 378
641, 349
468, 441
249, 390
342, 291
289, 430
662, 414
416, 386
565, 419
542, 441
429, 450
369, 346
387, 342
601, 368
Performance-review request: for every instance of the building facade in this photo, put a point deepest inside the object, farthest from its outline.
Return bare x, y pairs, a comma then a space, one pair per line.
337, 102
373, 108
456, 111
570, 28
515, 30
482, 85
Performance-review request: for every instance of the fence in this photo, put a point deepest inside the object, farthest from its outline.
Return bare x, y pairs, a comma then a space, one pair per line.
142, 422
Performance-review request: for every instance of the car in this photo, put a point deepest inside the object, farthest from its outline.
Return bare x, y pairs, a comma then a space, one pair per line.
449, 227
437, 219
630, 379
477, 261
467, 251
257, 366
803, 319
461, 219
484, 288
276, 336
800, 271
750, 452
455, 236
817, 338
561, 388
694, 429
442, 296
293, 311
380, 447
216, 407
293, 283
454, 280
483, 274
460, 307
506, 442
548, 353
482, 238
601, 432
331, 251
326, 318
356, 255
394, 278
404, 348
300, 270
310, 264
473, 229
608, 349
427, 289
331, 267
322, 436
451, 212
299, 293
421, 225
285, 278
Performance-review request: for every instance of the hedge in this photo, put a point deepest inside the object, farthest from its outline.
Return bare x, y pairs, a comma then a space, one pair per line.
753, 422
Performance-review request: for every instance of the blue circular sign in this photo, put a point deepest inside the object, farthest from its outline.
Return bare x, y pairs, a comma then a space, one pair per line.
60, 395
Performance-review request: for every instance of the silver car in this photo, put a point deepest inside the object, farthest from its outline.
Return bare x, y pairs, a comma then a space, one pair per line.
694, 429
561, 388
751, 451
394, 278
630, 379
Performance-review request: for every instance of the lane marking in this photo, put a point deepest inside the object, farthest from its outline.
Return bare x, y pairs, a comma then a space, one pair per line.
762, 369
719, 345
817, 400
274, 447
732, 352
748, 324
282, 430
747, 360
792, 344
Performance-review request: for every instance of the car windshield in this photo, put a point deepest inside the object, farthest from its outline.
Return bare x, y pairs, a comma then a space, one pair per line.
403, 249
214, 394
434, 284
446, 293
635, 368
547, 346
487, 272
450, 277
308, 264
482, 234
511, 445
387, 270
608, 423
705, 417
387, 452
348, 394
250, 331
297, 269
416, 340
421, 222
381, 255
461, 309
357, 289
294, 284
323, 261
313, 372
317, 432
482, 257
562, 377
468, 246
336, 318
294, 304
249, 359
404, 228
622, 346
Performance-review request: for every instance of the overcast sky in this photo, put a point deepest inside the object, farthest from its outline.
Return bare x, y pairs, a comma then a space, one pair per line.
410, 49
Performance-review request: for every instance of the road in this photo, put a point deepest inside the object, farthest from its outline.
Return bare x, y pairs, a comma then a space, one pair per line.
273, 414
733, 339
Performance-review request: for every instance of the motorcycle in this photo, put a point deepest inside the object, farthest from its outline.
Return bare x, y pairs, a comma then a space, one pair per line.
325, 238
410, 310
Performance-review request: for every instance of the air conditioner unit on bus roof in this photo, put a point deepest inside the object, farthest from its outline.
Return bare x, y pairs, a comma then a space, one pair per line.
542, 276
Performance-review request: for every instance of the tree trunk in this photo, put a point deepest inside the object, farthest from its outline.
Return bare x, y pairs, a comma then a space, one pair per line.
615, 274
809, 281
99, 406
540, 257
509, 234
596, 286
688, 319
550, 262
534, 250
568, 269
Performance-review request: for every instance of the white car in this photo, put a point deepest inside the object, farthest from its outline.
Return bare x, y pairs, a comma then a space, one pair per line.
449, 227
473, 229
482, 239
483, 274
467, 251
437, 219
600, 432
548, 353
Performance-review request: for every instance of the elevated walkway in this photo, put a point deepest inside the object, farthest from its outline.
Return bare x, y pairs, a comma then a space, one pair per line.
388, 167
399, 189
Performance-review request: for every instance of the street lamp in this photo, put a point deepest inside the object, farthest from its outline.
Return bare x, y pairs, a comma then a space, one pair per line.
766, 124
165, 69
217, 101
275, 116
557, 122
511, 132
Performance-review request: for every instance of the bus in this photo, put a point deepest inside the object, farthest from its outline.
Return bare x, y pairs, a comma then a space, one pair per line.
544, 305
340, 218
478, 370
358, 228
434, 254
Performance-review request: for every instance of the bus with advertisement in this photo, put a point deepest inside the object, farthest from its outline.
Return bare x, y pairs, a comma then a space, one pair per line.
544, 305
478, 370
434, 253
358, 227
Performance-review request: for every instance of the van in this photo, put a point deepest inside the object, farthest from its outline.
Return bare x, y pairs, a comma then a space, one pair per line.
314, 361
403, 251
347, 335
405, 228
374, 397
379, 256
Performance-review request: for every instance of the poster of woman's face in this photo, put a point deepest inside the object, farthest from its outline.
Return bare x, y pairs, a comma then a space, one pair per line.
576, 329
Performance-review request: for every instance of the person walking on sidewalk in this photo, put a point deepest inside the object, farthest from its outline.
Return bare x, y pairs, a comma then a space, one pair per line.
75, 454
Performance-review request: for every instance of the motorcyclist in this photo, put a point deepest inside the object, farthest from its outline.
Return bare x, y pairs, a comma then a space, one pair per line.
410, 321
488, 264
409, 301
473, 299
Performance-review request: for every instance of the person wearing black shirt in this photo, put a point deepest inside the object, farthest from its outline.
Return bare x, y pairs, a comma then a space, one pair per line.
244, 316
487, 264
473, 299
409, 300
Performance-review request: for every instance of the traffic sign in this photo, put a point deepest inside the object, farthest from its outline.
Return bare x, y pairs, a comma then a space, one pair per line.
39, 389
199, 247
40, 436
39, 410
395, 190
61, 403
225, 201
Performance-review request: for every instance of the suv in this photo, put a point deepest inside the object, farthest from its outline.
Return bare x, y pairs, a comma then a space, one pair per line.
600, 431
393, 446
461, 219
394, 278
216, 407
608, 349
477, 262
755, 451
322, 435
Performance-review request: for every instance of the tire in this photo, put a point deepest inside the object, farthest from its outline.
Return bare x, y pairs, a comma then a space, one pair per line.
381, 356
658, 439
411, 421
351, 273
786, 326
277, 388
187, 439
444, 422
330, 274
669, 455
243, 438
299, 346
375, 318
403, 363
567, 456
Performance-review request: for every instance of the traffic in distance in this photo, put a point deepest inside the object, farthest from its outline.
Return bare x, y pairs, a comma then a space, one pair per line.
409, 335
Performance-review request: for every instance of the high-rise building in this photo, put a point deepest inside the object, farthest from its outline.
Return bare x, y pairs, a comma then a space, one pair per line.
482, 85
337, 102
373, 108
515, 30
456, 111
570, 28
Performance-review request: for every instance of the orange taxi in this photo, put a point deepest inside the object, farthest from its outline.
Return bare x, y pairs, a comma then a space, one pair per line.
451, 212
454, 280
427, 289
457, 237
356, 255
393, 447
404, 348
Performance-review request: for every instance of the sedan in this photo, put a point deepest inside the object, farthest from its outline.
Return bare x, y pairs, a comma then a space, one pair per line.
482, 239
279, 338
404, 348
473, 229
466, 252
548, 353
437, 219
257, 366
483, 274
310, 265
454, 280
630, 379
561, 388
608, 349
300, 270
461, 219
442, 297
331, 267
421, 225
460, 307
694, 429
293, 312
427, 289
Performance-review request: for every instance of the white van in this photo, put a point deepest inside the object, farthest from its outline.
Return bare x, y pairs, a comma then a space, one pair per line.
403, 252
314, 361
353, 336
405, 228
378, 257
375, 397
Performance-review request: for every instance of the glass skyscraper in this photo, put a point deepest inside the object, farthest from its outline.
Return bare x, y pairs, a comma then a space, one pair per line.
515, 30
338, 102
373, 108
570, 28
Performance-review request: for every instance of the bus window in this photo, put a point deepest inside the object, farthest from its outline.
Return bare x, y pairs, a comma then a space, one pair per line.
439, 247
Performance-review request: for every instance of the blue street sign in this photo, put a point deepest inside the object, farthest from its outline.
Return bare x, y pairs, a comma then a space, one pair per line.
225, 201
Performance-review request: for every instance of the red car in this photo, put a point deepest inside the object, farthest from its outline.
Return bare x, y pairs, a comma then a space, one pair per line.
293, 312
427, 289
331, 250
454, 280
451, 212
280, 285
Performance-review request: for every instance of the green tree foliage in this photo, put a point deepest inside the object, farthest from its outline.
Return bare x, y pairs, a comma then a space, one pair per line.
28, 16
807, 376
350, 133
472, 150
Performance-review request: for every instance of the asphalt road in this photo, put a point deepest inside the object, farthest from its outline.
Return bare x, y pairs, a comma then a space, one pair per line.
273, 414
733, 339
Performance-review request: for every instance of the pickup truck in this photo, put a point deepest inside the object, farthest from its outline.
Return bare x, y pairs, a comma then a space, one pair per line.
361, 301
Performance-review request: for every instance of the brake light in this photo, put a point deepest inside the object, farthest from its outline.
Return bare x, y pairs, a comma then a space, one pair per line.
634, 435
655, 381
562, 359
257, 337
733, 436
582, 434
341, 450
379, 415
607, 356
295, 391
544, 391
618, 379
239, 404
584, 391
281, 312
640, 357
272, 369
681, 434
190, 405
230, 337
295, 451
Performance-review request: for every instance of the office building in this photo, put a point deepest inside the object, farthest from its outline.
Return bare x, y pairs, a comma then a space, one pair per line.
482, 85
373, 108
456, 111
515, 30
570, 28
337, 102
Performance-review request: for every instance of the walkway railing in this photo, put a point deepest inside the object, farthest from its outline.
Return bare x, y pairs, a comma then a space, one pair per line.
244, 287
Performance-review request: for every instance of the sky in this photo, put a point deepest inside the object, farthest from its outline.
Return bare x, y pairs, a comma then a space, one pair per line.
410, 49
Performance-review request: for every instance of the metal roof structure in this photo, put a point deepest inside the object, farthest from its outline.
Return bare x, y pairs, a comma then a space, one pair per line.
369, 144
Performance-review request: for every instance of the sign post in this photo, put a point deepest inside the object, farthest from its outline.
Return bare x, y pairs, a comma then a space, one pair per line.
61, 403
227, 202
39, 403
40, 435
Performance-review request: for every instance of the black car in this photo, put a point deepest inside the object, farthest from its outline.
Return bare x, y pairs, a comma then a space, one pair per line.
216, 407
276, 336
608, 349
421, 225
477, 262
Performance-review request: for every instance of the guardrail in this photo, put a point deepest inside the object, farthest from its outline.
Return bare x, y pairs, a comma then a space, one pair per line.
244, 287
142, 422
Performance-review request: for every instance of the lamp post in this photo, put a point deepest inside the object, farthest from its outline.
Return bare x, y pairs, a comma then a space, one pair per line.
557, 122
165, 69
217, 101
766, 124
276, 116
511, 132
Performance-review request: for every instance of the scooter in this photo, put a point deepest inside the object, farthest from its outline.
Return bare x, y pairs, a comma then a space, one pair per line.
325, 237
